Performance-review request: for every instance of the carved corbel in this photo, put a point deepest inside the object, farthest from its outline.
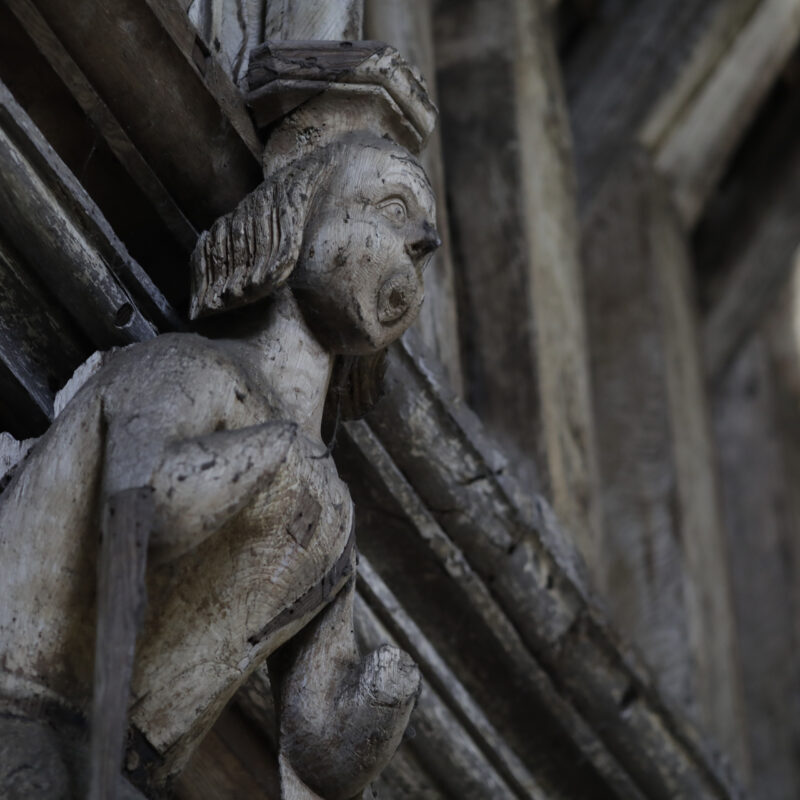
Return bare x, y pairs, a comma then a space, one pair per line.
199, 460
316, 90
309, 97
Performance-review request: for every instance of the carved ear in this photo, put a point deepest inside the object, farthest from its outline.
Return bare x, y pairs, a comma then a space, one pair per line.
249, 253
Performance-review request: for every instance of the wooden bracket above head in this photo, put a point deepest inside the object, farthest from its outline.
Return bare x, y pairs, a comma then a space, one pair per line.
305, 94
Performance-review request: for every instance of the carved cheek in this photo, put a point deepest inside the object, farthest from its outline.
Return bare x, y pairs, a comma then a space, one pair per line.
397, 287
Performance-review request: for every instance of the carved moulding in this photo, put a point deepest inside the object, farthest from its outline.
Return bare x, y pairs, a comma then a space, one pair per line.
197, 462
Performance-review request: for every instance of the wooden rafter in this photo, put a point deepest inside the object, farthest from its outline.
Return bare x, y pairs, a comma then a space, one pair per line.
708, 127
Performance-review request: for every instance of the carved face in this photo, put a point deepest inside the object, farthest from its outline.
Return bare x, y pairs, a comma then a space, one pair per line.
367, 241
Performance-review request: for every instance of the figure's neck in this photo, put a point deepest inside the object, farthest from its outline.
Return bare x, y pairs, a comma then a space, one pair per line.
289, 358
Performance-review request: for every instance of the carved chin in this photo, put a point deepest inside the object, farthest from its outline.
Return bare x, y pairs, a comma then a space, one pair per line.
396, 297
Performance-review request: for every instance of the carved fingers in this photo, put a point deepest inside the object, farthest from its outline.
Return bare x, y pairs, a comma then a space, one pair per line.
342, 716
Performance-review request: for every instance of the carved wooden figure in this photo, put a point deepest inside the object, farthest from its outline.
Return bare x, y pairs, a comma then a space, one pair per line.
205, 451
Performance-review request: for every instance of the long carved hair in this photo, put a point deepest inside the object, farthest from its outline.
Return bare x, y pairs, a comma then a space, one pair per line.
249, 253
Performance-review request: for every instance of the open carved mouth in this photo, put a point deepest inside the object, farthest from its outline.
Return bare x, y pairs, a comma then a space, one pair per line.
396, 296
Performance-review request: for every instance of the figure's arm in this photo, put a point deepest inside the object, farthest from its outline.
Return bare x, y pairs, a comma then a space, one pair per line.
201, 483
342, 715
194, 486
198, 483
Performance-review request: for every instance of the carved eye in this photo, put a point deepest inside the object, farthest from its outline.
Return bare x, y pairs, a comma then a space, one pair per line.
394, 209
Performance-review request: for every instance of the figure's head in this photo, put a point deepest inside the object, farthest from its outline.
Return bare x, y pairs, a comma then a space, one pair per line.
350, 228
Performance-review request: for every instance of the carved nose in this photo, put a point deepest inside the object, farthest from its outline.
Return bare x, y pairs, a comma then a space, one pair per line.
424, 244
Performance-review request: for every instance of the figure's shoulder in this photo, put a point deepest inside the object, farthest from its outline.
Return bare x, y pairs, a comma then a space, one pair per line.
173, 351
174, 370
186, 353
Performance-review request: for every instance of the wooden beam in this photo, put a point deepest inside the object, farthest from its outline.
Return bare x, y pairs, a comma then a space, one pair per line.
752, 238
447, 487
158, 79
685, 80
645, 58
105, 122
301, 20
505, 130
207, 66
663, 558
409, 27
615, 74
711, 48
556, 286
698, 147
39, 344
758, 446
441, 743
59, 231
379, 608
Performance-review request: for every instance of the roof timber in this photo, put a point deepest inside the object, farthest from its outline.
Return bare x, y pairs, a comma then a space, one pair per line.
215, 79
664, 572
466, 770
515, 564
33, 329
684, 78
620, 68
752, 233
707, 128
755, 420
69, 285
104, 121
380, 613
706, 53
159, 82
505, 129
49, 217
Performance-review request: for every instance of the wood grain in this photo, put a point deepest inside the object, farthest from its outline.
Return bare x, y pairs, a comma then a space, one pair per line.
125, 529
105, 122
505, 130
63, 236
164, 118
699, 147
33, 329
409, 27
663, 534
449, 485
756, 433
335, 19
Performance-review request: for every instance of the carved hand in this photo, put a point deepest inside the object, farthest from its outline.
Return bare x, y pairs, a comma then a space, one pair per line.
342, 716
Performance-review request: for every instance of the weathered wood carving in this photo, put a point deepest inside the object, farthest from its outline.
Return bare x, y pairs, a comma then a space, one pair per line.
202, 456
